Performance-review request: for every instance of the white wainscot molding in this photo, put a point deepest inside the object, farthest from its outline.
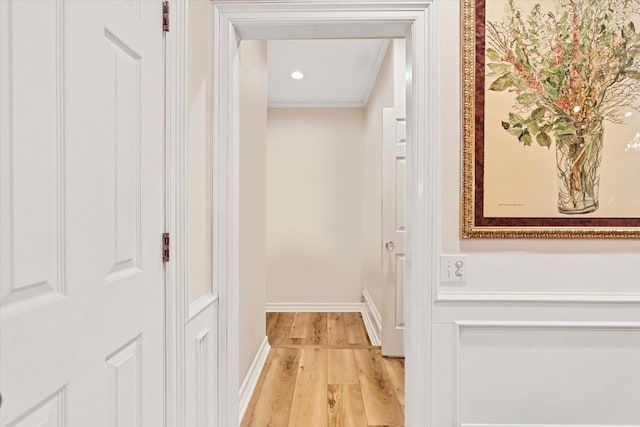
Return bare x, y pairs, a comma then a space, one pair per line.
545, 373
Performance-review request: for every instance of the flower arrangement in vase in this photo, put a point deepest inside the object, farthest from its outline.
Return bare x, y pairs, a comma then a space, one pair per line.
570, 70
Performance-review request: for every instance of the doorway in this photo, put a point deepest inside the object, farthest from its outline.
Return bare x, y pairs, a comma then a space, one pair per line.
236, 21
320, 141
334, 133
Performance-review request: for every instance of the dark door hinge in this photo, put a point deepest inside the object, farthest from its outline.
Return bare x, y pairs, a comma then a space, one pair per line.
165, 16
165, 247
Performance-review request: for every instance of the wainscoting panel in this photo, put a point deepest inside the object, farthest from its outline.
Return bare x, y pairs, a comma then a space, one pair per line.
555, 375
201, 367
534, 374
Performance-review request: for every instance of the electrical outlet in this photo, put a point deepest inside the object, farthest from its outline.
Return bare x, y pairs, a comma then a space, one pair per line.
453, 268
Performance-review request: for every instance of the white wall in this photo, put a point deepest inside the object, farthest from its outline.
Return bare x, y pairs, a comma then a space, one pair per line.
506, 363
253, 152
314, 205
382, 96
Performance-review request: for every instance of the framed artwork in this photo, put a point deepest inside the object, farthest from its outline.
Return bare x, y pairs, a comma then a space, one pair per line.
551, 118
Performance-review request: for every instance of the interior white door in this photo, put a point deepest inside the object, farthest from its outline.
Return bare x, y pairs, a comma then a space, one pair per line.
393, 229
81, 292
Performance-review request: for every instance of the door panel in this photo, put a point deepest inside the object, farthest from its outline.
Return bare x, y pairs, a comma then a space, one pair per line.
123, 385
123, 119
393, 229
81, 307
32, 214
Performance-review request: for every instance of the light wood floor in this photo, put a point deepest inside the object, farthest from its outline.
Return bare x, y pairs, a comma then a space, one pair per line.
322, 371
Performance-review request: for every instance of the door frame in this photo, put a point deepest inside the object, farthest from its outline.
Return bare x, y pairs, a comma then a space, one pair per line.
416, 21
179, 310
176, 291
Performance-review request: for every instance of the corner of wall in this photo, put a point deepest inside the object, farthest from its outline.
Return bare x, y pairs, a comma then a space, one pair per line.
252, 199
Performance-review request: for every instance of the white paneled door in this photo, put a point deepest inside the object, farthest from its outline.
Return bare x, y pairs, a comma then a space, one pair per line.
81, 213
393, 229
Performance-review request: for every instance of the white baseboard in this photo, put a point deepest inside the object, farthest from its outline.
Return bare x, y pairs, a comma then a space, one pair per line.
251, 380
319, 307
372, 319
547, 425
370, 314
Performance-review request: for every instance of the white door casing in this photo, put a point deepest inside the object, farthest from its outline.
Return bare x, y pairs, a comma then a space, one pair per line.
226, 120
196, 258
393, 229
193, 327
81, 302
290, 20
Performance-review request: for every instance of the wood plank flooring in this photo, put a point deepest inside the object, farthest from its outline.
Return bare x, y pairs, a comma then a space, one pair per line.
322, 371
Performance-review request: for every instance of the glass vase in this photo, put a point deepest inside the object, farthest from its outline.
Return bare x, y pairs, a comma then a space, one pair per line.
578, 158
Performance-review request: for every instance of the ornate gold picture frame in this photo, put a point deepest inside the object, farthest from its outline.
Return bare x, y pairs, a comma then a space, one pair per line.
551, 119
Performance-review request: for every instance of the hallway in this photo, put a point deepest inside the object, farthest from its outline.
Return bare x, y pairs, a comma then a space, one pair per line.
322, 371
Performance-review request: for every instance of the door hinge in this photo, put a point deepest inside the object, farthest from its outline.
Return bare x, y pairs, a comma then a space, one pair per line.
165, 247
165, 16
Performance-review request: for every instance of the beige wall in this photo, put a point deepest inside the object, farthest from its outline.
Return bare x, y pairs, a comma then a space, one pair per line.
314, 205
253, 153
199, 196
382, 96
516, 265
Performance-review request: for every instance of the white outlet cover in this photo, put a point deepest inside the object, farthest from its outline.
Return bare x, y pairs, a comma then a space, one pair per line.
453, 269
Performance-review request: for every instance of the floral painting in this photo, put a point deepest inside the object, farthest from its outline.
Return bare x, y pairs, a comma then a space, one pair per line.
552, 118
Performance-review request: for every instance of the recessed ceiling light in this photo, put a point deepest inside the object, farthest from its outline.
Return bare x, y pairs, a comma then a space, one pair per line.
297, 75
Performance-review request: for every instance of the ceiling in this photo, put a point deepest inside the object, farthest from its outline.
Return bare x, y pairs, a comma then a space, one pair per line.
337, 73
